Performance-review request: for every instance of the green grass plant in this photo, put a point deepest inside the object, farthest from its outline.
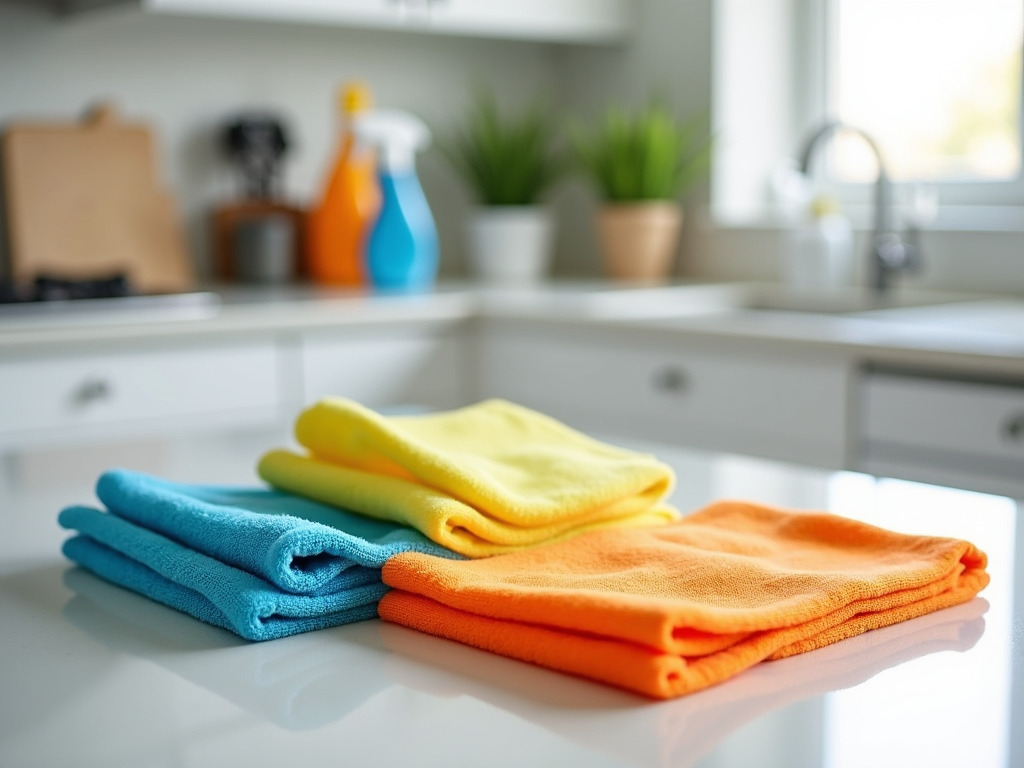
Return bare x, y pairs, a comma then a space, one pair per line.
507, 160
644, 156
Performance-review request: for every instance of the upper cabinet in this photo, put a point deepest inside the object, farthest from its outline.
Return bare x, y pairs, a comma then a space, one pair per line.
568, 21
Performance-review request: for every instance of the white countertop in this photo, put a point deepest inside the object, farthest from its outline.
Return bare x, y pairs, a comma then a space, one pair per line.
931, 327
92, 675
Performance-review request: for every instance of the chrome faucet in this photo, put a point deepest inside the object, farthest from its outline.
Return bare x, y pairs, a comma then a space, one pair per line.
891, 252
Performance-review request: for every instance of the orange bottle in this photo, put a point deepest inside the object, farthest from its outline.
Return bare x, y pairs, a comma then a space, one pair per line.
340, 224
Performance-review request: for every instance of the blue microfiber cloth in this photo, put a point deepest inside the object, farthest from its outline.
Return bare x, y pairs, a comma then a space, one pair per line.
261, 563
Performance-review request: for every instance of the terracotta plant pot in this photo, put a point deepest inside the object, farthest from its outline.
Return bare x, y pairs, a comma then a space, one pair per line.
510, 245
638, 240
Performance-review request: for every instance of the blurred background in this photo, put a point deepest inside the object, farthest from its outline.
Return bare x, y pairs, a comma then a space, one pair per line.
187, 74
939, 91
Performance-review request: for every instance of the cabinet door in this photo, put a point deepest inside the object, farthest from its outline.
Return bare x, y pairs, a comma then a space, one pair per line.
554, 20
374, 13
962, 433
386, 368
741, 400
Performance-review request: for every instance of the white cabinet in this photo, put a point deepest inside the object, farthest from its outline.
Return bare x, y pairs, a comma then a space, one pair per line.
101, 391
717, 397
90, 394
557, 20
381, 368
811, 403
949, 431
552, 20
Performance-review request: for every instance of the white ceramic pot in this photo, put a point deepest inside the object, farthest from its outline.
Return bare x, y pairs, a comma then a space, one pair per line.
510, 245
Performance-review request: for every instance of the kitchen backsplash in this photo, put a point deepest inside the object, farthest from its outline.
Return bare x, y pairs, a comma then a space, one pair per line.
188, 76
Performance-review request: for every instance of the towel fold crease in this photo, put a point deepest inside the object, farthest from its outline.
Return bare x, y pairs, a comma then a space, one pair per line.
261, 563
481, 480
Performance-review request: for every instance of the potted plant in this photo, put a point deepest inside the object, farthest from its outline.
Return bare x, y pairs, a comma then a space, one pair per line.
509, 161
641, 164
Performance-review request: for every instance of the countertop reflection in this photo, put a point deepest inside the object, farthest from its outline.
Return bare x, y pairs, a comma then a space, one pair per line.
95, 675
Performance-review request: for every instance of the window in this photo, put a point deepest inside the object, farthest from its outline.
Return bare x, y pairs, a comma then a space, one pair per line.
936, 83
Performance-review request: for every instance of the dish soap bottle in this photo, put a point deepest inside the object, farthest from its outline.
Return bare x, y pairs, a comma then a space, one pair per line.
820, 253
402, 253
339, 225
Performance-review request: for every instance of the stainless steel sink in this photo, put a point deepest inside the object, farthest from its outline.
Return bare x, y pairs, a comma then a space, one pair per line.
970, 318
694, 300
954, 314
989, 316
843, 302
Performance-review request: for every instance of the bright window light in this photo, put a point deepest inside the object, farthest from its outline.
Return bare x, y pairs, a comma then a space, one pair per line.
936, 82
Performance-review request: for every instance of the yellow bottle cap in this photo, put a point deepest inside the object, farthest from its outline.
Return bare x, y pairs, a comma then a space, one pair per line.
824, 205
356, 97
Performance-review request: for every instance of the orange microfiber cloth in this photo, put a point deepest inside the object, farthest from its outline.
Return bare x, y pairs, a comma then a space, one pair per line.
669, 610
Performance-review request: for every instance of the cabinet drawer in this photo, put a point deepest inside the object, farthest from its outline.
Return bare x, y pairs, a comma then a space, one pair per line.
392, 368
982, 420
74, 392
790, 409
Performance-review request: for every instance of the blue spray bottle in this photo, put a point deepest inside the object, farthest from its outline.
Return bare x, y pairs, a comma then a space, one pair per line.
402, 252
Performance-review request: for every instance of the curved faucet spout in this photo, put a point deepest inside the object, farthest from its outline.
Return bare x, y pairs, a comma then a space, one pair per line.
889, 252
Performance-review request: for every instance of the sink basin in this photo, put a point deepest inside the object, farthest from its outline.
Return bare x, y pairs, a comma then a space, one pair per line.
693, 300
974, 320
999, 316
951, 314
843, 302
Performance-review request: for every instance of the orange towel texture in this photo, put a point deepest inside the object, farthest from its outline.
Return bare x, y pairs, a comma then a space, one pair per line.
669, 610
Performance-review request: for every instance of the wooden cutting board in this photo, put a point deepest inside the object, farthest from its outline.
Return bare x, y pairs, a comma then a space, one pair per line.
83, 202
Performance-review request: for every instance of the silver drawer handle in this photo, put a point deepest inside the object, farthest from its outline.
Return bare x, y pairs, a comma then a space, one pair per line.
1013, 428
93, 390
671, 380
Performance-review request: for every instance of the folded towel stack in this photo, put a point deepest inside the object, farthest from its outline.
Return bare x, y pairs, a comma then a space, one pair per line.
583, 566
671, 610
260, 563
483, 480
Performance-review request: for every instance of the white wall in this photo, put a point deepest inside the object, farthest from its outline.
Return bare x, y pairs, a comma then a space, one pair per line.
983, 262
186, 76
670, 52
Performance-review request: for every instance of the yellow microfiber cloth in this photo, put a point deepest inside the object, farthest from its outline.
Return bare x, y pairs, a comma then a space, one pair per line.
669, 610
482, 480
